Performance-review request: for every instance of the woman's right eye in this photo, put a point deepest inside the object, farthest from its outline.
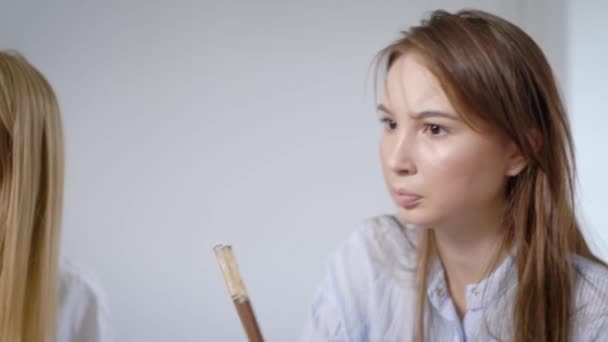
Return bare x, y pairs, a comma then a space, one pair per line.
389, 123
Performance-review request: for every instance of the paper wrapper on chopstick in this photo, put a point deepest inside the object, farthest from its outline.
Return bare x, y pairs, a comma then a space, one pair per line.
236, 288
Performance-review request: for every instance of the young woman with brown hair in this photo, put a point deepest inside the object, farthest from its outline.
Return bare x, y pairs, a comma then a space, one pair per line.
477, 154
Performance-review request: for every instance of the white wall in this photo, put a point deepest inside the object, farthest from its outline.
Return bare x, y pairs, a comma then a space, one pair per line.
587, 68
546, 21
195, 123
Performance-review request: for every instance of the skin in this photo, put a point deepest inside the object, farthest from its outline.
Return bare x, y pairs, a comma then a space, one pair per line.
455, 176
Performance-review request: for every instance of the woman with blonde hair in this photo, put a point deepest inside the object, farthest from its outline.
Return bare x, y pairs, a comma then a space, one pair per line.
478, 157
40, 299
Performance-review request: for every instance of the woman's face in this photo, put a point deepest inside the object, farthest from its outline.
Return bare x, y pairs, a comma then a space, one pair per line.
438, 170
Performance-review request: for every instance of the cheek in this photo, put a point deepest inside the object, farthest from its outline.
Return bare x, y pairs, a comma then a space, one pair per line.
384, 153
464, 172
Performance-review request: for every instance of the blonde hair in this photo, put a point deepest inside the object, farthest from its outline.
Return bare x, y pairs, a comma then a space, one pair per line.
495, 75
31, 195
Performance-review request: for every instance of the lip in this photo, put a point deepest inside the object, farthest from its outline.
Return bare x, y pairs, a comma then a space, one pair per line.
406, 199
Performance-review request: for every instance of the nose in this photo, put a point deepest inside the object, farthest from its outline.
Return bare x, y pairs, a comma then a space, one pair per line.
400, 159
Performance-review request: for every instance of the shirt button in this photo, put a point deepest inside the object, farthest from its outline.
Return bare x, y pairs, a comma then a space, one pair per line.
475, 291
439, 292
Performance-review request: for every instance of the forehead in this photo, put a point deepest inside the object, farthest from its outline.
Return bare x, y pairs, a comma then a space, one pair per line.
410, 84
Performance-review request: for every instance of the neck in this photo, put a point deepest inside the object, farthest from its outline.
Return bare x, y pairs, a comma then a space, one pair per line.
470, 252
468, 262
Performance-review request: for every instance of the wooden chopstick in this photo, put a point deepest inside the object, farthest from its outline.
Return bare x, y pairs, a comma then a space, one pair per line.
236, 288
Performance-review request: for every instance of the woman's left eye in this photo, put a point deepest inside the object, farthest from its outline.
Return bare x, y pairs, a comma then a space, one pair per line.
434, 129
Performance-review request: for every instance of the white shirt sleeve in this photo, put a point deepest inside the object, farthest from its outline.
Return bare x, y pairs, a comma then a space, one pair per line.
336, 313
324, 321
83, 314
601, 333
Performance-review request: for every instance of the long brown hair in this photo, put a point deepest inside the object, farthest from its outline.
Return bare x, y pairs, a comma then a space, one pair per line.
495, 75
31, 192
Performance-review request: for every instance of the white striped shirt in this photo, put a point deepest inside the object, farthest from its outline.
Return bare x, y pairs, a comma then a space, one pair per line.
369, 294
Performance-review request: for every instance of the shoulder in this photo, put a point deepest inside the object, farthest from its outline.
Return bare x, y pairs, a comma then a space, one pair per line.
83, 311
590, 298
378, 249
359, 272
591, 284
381, 242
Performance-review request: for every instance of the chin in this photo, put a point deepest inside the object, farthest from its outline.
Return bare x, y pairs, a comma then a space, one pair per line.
417, 217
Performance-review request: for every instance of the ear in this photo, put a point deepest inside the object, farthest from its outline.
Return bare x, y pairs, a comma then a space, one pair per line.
516, 161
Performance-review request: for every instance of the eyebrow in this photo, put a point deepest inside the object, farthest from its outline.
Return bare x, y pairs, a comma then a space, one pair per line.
421, 115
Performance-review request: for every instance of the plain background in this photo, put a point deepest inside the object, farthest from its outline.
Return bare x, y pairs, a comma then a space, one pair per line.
192, 123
